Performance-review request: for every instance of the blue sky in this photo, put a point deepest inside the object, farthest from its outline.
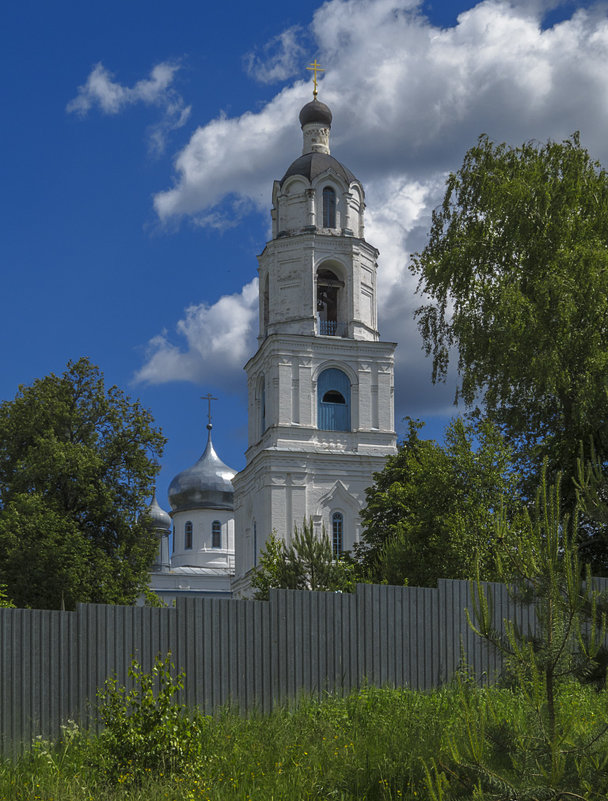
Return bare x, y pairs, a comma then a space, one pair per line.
140, 141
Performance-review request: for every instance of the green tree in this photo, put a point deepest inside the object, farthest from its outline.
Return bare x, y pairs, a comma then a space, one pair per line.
591, 485
516, 269
5, 601
431, 512
307, 563
77, 464
543, 570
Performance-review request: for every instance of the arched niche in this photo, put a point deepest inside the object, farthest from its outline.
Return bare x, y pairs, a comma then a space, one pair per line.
292, 205
357, 207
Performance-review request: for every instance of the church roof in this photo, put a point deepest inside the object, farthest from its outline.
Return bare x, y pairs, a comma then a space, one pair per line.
159, 519
205, 485
311, 165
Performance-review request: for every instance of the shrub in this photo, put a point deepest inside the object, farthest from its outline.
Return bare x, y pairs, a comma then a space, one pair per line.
146, 730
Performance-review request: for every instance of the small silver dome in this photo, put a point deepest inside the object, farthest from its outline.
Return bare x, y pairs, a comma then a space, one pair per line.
205, 485
159, 519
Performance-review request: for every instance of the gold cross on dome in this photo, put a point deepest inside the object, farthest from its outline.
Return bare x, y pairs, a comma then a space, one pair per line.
314, 67
209, 397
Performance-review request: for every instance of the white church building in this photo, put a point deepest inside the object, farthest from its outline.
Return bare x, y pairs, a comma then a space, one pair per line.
320, 386
202, 519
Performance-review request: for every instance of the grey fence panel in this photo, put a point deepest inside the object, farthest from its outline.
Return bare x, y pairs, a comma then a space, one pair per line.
258, 645
346, 604
242, 622
461, 647
368, 634
353, 672
37, 684
410, 645
253, 654
325, 645
424, 636
399, 635
338, 629
198, 651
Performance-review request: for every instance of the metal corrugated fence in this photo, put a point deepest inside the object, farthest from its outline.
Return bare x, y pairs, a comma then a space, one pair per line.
252, 654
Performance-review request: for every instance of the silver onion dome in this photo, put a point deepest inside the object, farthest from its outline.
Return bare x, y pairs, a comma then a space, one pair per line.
159, 519
205, 485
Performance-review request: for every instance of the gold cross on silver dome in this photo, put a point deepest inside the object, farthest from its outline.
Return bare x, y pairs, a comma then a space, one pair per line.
208, 397
314, 68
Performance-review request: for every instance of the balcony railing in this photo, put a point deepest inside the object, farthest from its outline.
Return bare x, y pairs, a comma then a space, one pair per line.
331, 328
333, 416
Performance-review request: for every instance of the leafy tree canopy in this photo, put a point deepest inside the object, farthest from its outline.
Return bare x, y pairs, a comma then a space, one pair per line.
433, 509
516, 269
307, 563
77, 463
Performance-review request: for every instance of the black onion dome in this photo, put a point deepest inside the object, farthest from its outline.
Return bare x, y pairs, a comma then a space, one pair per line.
205, 485
311, 165
315, 112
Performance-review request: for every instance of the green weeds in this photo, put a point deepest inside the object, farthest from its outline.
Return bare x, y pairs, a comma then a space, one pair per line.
372, 745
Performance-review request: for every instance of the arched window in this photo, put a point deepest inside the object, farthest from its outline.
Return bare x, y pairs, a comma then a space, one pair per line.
329, 208
216, 534
337, 530
333, 400
188, 536
262, 406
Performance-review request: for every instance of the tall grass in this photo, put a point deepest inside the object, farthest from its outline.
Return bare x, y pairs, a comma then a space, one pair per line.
372, 744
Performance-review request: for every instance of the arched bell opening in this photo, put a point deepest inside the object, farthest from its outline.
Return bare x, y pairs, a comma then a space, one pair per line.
329, 302
333, 400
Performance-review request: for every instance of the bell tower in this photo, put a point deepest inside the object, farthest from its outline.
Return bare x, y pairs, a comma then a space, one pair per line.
320, 385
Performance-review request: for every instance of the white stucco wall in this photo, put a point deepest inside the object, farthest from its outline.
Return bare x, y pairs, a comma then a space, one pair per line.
202, 554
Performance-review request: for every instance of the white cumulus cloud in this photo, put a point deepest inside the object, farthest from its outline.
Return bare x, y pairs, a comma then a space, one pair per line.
111, 97
408, 99
219, 338
279, 59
